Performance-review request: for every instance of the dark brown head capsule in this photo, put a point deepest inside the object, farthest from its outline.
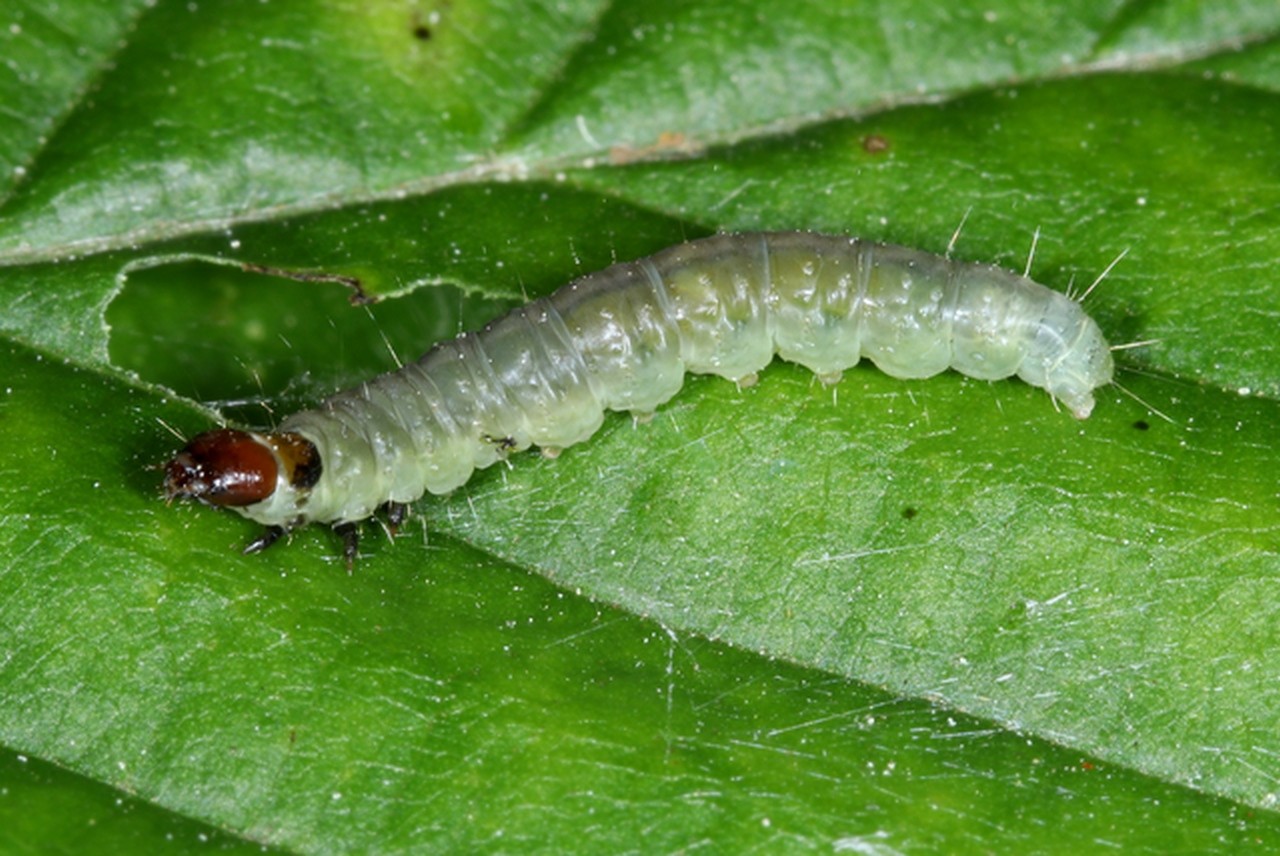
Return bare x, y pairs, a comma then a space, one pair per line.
229, 468
224, 468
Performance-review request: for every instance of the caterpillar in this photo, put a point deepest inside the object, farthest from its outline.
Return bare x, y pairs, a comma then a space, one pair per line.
623, 339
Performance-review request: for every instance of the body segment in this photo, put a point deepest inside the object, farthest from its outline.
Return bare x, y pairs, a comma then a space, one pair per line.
623, 339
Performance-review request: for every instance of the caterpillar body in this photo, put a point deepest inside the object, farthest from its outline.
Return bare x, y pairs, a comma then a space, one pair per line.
623, 339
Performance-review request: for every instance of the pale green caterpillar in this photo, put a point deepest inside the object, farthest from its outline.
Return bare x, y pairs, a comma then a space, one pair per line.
623, 339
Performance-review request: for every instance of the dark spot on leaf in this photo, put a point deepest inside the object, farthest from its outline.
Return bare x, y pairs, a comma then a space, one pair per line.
874, 144
422, 32
909, 513
1142, 425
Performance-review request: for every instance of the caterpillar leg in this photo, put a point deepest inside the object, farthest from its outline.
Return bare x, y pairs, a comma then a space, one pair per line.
269, 536
350, 534
504, 444
829, 378
397, 513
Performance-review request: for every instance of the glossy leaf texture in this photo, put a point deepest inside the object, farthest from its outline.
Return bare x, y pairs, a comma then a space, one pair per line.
891, 616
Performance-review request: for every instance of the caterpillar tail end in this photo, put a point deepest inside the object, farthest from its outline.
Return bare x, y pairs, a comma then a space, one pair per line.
1082, 407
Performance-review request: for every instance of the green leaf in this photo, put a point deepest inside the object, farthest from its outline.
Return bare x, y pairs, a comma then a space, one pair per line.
894, 616
47, 810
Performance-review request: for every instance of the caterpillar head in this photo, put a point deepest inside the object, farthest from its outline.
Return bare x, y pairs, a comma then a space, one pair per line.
228, 468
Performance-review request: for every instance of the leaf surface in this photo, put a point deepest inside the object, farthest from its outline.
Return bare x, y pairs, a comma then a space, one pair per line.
891, 616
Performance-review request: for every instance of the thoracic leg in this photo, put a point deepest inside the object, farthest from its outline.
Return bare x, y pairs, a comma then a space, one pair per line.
350, 534
397, 513
269, 536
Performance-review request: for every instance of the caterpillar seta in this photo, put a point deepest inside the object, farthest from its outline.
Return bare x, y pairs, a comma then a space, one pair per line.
623, 339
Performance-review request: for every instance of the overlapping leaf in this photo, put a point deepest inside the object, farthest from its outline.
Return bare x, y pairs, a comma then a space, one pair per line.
920, 551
